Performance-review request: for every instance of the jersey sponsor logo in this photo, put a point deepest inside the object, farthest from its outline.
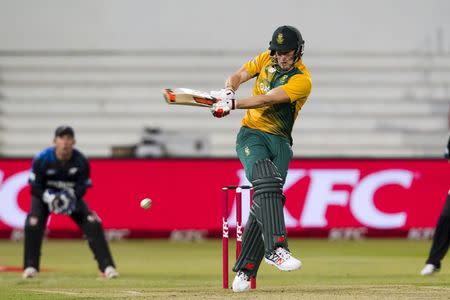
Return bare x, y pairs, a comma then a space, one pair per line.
58, 184
50, 172
73, 170
264, 87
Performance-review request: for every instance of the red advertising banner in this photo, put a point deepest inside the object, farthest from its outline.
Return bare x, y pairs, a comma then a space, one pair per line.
378, 197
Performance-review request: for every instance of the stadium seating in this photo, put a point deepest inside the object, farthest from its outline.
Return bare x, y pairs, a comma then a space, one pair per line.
362, 104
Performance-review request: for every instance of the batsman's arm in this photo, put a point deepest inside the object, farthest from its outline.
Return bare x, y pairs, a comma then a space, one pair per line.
275, 96
237, 78
297, 88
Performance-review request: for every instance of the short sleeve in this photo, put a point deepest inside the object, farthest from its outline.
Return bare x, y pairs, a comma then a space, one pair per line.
255, 65
297, 88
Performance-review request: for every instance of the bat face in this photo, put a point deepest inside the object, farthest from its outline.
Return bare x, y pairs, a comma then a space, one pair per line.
185, 96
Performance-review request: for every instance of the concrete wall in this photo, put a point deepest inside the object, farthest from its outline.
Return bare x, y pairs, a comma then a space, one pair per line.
327, 25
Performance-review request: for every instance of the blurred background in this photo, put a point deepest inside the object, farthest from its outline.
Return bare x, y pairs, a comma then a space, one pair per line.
381, 74
381, 91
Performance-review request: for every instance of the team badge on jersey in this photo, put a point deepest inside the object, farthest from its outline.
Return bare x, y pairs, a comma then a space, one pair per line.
73, 170
283, 79
264, 87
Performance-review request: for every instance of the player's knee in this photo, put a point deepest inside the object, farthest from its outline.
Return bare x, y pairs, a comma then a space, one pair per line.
266, 177
33, 222
93, 226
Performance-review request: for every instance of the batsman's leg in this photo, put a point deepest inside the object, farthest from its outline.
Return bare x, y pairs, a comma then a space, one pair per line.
92, 227
252, 248
250, 147
35, 224
268, 202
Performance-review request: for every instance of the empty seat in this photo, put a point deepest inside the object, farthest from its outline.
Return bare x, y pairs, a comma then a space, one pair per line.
362, 104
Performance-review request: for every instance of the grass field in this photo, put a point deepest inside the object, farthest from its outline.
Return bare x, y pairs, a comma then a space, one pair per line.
157, 269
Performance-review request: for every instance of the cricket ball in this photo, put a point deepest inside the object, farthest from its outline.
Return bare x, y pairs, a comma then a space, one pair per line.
146, 203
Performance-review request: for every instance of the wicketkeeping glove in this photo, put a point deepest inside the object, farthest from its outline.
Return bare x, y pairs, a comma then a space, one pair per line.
63, 202
49, 195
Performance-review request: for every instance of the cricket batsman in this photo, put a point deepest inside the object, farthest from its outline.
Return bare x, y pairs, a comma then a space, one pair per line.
59, 179
263, 144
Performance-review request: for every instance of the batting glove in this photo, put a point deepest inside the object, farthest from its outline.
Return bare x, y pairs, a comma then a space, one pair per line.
63, 202
227, 95
221, 109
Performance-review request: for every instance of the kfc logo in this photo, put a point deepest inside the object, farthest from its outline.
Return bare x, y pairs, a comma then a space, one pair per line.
321, 195
10, 212
344, 199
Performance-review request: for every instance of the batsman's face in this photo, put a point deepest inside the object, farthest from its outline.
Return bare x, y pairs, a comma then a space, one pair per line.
64, 146
285, 60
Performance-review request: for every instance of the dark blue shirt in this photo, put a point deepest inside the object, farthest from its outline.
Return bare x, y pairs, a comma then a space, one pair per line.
48, 172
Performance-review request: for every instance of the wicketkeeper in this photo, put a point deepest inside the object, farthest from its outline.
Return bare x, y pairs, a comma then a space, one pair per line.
59, 179
441, 238
282, 85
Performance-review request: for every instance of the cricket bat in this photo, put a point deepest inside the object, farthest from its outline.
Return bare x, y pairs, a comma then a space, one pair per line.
185, 96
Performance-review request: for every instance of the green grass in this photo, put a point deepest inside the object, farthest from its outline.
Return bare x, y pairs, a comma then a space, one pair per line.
157, 269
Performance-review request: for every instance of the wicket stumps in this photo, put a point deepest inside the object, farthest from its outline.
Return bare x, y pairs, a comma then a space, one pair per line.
239, 229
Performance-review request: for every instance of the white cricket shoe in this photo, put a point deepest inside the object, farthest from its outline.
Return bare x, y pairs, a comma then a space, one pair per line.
110, 272
241, 282
429, 269
283, 260
29, 272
